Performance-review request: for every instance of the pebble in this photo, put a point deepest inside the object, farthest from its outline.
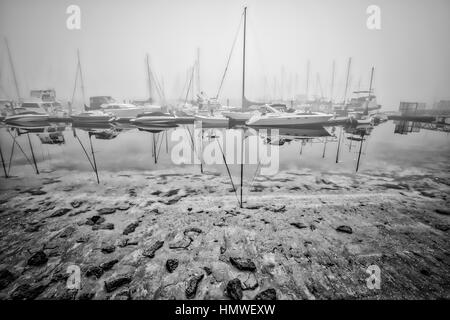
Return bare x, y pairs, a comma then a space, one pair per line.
191, 289
443, 211
106, 210
299, 225
117, 282
269, 294
150, 251
60, 212
344, 229
108, 249
130, 228
234, 289
6, 277
243, 264
171, 265
76, 203
38, 259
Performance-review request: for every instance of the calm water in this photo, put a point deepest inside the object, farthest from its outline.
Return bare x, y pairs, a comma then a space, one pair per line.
388, 146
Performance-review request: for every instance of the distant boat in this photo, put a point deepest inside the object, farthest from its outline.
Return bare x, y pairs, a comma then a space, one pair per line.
126, 110
276, 118
212, 120
92, 117
154, 118
28, 112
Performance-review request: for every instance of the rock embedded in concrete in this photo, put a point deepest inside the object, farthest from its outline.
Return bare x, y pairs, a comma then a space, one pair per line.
108, 248
234, 289
106, 266
117, 282
171, 265
344, 229
243, 264
268, 294
6, 277
36, 192
67, 232
150, 251
299, 225
94, 271
38, 259
445, 212
130, 228
106, 210
191, 289
60, 212
76, 203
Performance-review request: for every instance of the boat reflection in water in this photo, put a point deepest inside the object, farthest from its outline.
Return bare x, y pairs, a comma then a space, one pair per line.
159, 134
280, 136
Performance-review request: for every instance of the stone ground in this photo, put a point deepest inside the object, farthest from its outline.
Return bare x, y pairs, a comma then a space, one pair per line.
174, 235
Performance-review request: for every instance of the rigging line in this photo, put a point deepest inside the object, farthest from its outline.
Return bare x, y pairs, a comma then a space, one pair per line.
32, 153
184, 87
11, 154
75, 86
189, 86
3, 162
20, 148
229, 173
81, 78
93, 157
194, 149
85, 152
16, 84
160, 144
229, 57
157, 86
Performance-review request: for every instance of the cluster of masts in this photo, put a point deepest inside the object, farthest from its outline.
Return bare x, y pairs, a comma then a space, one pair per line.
300, 111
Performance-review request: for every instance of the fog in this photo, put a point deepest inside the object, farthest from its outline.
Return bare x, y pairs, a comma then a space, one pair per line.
410, 53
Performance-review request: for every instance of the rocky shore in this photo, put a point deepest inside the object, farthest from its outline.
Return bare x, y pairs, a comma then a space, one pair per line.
182, 235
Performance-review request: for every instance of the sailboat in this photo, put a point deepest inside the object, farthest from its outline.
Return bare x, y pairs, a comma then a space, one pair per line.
361, 106
29, 113
248, 108
87, 117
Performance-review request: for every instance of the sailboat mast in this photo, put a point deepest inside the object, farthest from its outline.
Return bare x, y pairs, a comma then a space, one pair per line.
332, 80
149, 80
199, 88
346, 81
371, 81
307, 79
81, 77
16, 84
243, 58
243, 97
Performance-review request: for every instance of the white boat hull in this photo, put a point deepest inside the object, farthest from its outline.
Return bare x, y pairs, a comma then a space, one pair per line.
212, 120
238, 116
132, 112
288, 120
27, 118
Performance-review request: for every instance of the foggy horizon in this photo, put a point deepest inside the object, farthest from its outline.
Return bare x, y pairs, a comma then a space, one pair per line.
282, 36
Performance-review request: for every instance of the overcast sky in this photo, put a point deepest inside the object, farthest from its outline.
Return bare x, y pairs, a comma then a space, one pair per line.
410, 53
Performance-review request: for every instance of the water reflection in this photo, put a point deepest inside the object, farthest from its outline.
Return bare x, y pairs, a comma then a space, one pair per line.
121, 146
